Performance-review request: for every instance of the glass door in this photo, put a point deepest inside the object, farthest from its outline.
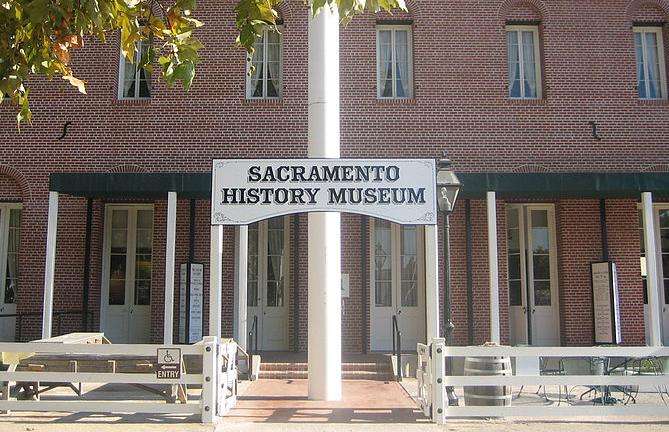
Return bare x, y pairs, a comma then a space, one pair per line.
267, 283
127, 273
397, 285
10, 238
532, 260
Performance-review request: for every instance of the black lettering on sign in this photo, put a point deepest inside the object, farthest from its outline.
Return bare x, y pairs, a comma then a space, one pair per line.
254, 174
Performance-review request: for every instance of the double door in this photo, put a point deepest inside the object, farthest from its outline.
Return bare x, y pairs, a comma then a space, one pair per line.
127, 267
661, 219
267, 284
397, 285
10, 236
533, 283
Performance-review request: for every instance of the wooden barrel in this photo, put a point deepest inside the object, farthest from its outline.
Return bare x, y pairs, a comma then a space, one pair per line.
488, 395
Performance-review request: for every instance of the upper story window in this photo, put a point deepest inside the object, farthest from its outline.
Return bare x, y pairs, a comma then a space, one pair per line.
134, 81
266, 80
650, 67
524, 62
394, 62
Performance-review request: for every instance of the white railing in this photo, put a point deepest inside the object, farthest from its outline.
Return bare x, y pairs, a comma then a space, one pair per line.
218, 378
432, 381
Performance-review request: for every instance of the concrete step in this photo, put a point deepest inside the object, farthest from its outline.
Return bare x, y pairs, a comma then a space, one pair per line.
348, 375
346, 367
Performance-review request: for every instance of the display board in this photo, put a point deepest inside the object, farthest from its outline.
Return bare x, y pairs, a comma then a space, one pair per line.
190, 302
606, 303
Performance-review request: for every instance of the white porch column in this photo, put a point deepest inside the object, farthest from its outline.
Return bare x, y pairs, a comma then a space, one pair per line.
50, 265
493, 268
432, 282
324, 267
168, 321
215, 280
654, 306
241, 270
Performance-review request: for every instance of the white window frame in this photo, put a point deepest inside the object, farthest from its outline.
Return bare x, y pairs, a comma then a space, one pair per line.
643, 30
393, 28
121, 74
519, 29
249, 61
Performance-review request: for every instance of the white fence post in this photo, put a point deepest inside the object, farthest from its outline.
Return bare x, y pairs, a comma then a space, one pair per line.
438, 388
209, 379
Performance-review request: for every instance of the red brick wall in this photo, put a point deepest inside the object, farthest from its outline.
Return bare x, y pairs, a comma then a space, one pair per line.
460, 105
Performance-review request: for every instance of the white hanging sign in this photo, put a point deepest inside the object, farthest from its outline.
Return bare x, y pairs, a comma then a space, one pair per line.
400, 190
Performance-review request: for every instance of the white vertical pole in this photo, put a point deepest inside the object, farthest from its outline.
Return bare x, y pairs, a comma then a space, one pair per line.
168, 321
432, 282
651, 270
50, 265
241, 273
493, 270
215, 280
324, 267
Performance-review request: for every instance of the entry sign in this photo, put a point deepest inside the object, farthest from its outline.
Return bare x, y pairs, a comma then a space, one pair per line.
400, 190
169, 363
606, 304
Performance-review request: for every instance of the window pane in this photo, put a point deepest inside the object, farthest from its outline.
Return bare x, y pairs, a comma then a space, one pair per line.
402, 66
515, 293
143, 267
529, 66
142, 292
119, 219
252, 296
653, 86
117, 292
542, 293
117, 263
382, 294
640, 70
514, 266
539, 219
252, 270
666, 291
541, 267
540, 242
512, 218
513, 64
409, 294
385, 64
513, 240
15, 218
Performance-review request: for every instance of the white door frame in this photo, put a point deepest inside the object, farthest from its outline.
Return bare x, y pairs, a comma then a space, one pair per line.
261, 309
381, 343
106, 257
527, 277
7, 323
664, 315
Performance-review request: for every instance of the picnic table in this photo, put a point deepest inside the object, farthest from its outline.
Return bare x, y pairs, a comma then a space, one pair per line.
50, 362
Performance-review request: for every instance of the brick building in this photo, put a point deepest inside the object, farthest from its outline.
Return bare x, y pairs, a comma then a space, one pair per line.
558, 106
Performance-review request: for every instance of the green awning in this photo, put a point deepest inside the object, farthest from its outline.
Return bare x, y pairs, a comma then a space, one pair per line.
475, 185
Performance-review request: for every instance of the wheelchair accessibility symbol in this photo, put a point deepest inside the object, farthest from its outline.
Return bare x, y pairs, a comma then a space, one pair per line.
168, 364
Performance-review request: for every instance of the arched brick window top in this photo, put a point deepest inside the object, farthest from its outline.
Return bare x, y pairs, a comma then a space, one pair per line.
518, 11
647, 11
531, 168
15, 182
127, 168
663, 168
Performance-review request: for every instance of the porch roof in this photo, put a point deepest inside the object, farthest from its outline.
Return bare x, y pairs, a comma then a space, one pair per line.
475, 185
